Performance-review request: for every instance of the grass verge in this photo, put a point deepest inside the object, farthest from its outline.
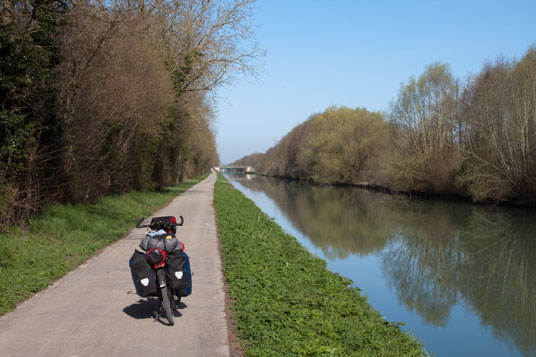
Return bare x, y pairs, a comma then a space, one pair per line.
285, 301
64, 236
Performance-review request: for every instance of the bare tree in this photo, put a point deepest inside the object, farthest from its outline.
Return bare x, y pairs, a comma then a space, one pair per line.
207, 42
425, 150
500, 159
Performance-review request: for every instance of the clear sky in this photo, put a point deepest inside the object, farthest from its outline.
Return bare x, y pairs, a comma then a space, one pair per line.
357, 53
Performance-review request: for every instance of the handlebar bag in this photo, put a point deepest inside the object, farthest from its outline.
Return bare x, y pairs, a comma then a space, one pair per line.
142, 275
166, 223
179, 273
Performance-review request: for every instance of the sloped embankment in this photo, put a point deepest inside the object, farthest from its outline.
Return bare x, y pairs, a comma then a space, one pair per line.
285, 301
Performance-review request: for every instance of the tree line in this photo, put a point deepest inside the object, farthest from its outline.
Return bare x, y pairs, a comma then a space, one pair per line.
102, 97
441, 136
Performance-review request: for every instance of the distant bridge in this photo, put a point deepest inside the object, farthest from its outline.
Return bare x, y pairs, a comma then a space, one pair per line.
237, 169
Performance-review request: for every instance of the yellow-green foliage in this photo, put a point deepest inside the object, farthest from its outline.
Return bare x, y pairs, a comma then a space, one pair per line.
338, 145
341, 145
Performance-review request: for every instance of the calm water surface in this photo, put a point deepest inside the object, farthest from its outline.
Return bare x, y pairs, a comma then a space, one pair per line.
461, 277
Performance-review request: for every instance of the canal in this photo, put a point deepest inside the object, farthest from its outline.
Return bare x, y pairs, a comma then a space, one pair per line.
462, 278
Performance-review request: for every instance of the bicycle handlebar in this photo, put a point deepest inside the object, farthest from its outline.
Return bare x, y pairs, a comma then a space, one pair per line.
175, 224
139, 224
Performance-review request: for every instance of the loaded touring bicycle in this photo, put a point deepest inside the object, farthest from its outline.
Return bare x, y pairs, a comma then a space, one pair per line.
163, 268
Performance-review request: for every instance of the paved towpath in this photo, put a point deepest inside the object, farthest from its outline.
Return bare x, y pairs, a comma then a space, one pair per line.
93, 311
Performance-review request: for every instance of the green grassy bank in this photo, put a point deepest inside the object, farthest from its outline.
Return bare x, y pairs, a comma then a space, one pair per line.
286, 302
64, 236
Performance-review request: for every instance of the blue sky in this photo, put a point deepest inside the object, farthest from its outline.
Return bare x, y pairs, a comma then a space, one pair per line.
357, 54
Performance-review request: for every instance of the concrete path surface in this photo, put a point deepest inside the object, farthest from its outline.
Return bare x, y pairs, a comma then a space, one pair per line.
93, 311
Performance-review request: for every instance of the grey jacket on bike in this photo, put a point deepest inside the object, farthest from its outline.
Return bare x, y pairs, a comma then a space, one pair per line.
160, 240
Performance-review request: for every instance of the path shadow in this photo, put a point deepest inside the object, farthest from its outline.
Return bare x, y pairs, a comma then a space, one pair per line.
181, 305
142, 309
149, 309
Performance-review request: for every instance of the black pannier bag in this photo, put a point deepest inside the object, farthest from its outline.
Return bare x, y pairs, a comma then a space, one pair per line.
142, 275
179, 273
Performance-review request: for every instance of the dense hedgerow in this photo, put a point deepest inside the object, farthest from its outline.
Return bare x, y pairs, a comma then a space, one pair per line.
285, 301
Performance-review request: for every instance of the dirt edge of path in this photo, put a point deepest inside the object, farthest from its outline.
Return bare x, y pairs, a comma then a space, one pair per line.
235, 349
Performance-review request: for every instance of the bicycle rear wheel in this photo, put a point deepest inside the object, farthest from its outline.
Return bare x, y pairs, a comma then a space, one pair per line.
165, 295
166, 303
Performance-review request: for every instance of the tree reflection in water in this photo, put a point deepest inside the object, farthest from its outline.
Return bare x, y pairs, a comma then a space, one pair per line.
328, 215
435, 253
484, 256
